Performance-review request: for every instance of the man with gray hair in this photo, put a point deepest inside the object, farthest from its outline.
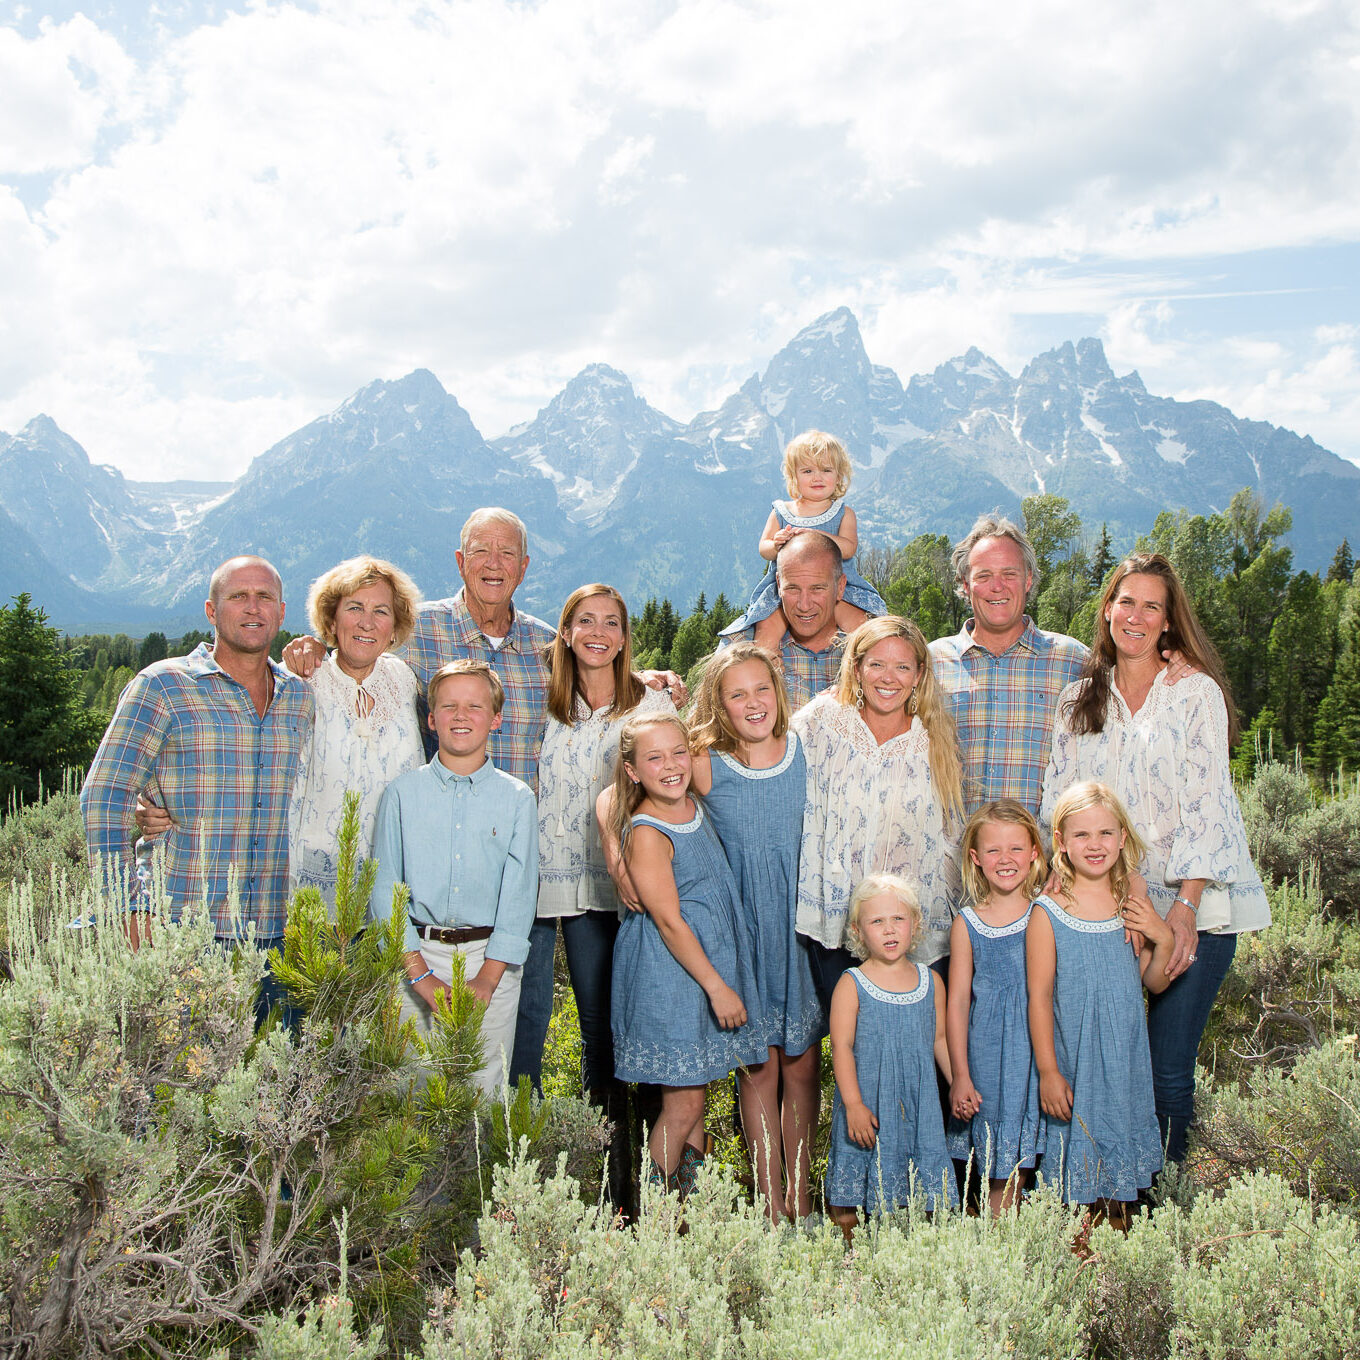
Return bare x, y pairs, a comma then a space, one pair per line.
811, 575
1002, 675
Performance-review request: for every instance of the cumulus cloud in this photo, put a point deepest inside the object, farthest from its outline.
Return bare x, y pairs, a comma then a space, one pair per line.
225, 226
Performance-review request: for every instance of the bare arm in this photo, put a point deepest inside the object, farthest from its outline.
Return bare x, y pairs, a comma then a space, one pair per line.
860, 1122
770, 542
1160, 943
649, 862
848, 538
1041, 962
964, 1100
941, 1043
614, 862
1183, 926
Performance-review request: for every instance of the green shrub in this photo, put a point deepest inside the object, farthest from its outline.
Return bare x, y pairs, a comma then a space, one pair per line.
42, 844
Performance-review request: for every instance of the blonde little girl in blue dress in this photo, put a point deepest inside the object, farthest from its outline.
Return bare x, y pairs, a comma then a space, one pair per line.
817, 474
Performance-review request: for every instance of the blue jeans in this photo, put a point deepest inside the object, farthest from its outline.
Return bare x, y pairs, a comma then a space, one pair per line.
589, 941
828, 967
1176, 1020
272, 994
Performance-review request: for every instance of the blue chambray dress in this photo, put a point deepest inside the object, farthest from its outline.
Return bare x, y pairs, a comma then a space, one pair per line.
1004, 1134
758, 815
765, 596
1111, 1148
895, 1067
664, 1029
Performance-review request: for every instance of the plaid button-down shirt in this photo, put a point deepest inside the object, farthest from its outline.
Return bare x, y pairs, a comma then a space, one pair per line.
188, 731
446, 632
806, 673
1004, 708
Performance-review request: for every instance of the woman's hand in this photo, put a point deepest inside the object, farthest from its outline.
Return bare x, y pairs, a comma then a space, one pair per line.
1055, 1095
1182, 922
964, 1099
151, 819
303, 655
860, 1124
727, 1007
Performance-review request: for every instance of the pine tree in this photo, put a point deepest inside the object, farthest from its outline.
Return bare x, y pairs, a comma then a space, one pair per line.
154, 648
1336, 732
45, 729
1343, 564
1102, 560
1300, 667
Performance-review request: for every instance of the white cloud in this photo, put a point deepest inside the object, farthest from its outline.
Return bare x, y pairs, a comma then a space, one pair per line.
250, 219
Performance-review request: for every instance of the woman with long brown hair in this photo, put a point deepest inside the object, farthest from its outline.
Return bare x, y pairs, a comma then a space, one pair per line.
1164, 750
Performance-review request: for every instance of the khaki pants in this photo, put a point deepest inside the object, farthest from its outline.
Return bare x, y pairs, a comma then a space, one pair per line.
498, 1024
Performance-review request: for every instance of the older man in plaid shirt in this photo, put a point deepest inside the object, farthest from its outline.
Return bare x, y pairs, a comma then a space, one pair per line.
213, 737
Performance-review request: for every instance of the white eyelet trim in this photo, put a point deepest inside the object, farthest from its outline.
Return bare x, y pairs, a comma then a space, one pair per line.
684, 828
896, 998
997, 932
746, 772
785, 508
1086, 927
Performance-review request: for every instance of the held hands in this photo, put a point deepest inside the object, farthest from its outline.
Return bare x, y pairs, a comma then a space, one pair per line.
964, 1099
1055, 1095
727, 1007
860, 1124
1185, 935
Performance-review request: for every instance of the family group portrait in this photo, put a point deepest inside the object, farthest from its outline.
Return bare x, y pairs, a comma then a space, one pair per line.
835, 856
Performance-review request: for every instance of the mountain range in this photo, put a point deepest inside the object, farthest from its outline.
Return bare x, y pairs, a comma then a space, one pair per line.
614, 490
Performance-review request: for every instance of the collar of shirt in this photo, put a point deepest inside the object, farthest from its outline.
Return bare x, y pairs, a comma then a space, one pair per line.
837, 644
486, 770
201, 662
466, 632
1028, 641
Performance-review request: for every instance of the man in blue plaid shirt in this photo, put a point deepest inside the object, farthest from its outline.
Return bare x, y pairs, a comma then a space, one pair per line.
213, 737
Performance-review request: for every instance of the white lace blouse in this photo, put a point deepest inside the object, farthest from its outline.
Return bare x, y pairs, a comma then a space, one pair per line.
871, 809
574, 766
346, 752
1169, 765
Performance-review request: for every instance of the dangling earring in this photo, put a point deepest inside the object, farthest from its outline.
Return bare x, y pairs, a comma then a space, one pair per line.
859, 696
911, 700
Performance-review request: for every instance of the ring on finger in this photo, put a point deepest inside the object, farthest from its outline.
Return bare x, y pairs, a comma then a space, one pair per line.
1192, 958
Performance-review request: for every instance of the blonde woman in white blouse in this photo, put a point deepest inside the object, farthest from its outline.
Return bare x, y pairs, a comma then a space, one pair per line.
592, 690
367, 729
884, 793
1164, 750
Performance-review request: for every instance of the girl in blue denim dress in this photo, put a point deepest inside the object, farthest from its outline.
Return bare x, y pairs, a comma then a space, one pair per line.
685, 1008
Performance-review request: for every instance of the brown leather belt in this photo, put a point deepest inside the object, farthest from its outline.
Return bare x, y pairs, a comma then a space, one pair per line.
451, 934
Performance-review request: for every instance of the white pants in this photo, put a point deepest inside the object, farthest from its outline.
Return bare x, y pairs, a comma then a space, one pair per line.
498, 1024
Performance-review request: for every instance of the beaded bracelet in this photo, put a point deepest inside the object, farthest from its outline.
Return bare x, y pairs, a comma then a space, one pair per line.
1194, 909
429, 972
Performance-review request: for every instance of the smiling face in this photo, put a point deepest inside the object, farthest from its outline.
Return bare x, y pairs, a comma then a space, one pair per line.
750, 700
1137, 616
887, 674
997, 587
809, 590
1004, 853
661, 763
246, 609
364, 623
816, 481
884, 924
492, 566
462, 716
595, 634
1092, 840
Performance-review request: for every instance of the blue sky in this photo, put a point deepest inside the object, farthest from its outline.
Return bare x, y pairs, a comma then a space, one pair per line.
217, 221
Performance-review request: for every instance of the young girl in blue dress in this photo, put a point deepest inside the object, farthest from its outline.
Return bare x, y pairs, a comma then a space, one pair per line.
817, 474
887, 1036
684, 1004
1086, 1012
994, 1097
749, 767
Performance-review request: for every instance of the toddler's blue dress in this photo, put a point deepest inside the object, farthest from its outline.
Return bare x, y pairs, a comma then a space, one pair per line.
895, 1066
758, 815
1110, 1148
765, 596
1004, 1134
664, 1028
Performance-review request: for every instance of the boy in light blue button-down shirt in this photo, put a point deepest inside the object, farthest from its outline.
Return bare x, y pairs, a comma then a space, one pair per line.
463, 836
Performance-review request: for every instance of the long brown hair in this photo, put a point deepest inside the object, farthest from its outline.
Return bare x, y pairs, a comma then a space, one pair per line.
1184, 633
564, 683
709, 725
946, 768
627, 793
1088, 795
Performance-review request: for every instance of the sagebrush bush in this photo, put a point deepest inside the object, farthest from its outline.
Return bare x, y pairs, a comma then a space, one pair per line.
43, 844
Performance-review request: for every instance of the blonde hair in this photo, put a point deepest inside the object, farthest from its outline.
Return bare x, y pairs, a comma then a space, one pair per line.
351, 576
1002, 812
564, 681
478, 668
946, 768
821, 450
1088, 795
873, 886
628, 793
709, 724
